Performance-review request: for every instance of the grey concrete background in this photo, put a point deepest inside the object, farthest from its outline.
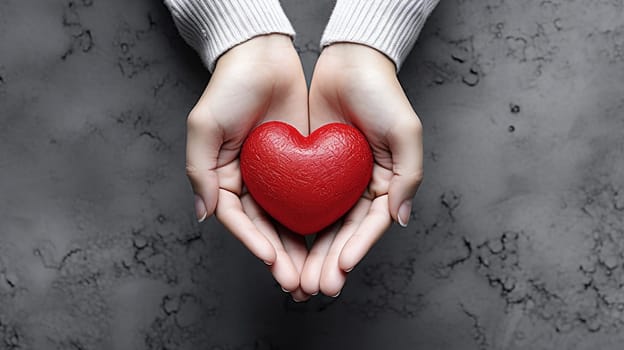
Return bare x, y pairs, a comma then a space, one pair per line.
518, 232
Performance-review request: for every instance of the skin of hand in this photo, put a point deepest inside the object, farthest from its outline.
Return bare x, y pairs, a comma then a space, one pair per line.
358, 85
256, 81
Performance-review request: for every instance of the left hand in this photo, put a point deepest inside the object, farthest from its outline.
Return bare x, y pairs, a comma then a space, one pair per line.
256, 81
356, 84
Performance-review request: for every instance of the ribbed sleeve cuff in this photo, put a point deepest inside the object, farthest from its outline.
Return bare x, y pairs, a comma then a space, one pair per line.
390, 26
212, 27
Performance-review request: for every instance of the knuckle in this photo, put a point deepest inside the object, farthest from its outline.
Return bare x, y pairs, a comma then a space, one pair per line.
192, 172
413, 125
190, 169
416, 178
407, 127
194, 119
418, 127
197, 120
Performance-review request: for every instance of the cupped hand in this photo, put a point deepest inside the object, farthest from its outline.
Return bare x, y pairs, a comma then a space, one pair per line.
356, 84
256, 81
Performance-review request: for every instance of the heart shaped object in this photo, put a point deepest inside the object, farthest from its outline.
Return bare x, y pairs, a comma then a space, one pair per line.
306, 183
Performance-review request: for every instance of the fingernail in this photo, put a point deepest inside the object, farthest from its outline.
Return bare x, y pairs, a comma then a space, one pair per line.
200, 209
296, 300
336, 296
405, 210
349, 269
315, 293
285, 290
268, 263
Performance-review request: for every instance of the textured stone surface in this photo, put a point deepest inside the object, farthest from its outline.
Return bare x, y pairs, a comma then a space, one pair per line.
518, 233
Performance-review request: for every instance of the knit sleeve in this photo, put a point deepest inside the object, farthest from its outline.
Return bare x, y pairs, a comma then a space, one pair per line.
212, 27
390, 26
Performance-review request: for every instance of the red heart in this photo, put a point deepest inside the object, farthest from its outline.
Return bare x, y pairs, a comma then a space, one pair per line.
306, 183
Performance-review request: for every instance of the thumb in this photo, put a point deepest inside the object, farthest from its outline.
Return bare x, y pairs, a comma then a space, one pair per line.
405, 143
203, 143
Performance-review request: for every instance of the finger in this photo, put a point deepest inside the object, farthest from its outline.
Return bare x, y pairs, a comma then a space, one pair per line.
299, 295
295, 247
204, 140
371, 228
230, 213
283, 269
333, 277
405, 142
311, 273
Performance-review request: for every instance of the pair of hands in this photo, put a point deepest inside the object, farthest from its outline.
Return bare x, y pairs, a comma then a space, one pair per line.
261, 80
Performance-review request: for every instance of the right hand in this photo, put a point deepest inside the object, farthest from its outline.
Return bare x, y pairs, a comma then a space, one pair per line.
256, 81
356, 84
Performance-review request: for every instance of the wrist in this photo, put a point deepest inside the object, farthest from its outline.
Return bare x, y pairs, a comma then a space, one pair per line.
358, 56
261, 49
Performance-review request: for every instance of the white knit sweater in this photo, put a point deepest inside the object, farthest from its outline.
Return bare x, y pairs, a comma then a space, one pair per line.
212, 27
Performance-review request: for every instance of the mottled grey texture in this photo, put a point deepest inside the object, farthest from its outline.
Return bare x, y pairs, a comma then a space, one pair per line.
518, 231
